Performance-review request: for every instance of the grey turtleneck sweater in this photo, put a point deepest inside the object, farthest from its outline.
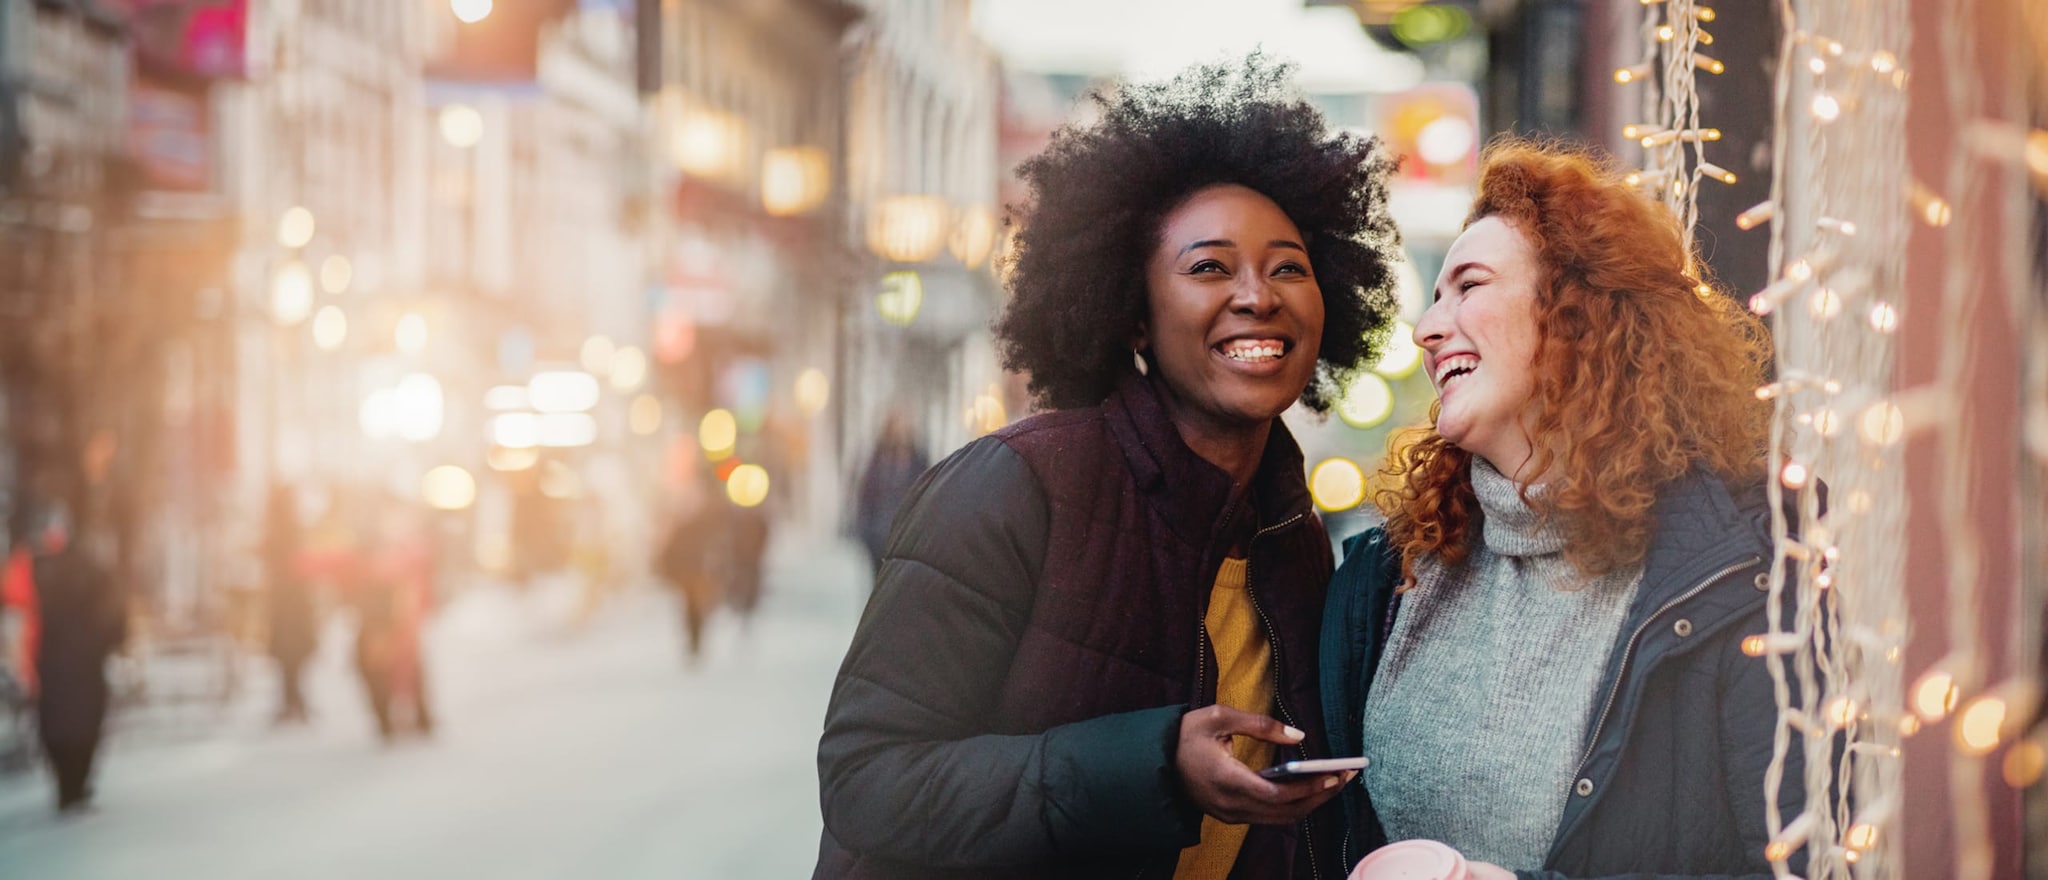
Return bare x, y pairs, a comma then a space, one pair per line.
1478, 711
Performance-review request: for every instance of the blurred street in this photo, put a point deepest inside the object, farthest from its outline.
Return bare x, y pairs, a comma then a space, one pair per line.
561, 752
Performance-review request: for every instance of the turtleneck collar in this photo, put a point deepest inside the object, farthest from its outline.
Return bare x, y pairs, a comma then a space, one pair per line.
1510, 527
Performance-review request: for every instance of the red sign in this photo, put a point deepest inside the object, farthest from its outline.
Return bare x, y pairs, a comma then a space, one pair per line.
192, 38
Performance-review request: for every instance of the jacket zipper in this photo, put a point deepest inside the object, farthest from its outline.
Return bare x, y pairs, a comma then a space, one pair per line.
1308, 841
1628, 653
1272, 635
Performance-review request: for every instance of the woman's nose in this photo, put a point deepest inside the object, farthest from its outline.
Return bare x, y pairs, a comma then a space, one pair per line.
1434, 328
1255, 296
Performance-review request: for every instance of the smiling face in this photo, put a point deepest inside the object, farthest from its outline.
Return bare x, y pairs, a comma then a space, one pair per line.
1479, 342
1234, 318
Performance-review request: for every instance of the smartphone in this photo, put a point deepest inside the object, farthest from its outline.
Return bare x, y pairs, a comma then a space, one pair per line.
1293, 770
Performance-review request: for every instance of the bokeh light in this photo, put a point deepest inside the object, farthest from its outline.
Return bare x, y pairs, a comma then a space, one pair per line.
901, 297
470, 11
336, 274
462, 126
330, 328
813, 391
717, 433
1934, 695
411, 334
747, 485
596, 355
1402, 356
1980, 726
563, 391
295, 228
628, 368
1337, 484
644, 416
1368, 401
291, 294
448, 487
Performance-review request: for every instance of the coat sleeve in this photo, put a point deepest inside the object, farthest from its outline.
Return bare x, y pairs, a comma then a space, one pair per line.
1749, 721
908, 767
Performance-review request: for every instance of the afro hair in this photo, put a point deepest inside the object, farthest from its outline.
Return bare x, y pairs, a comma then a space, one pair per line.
1100, 193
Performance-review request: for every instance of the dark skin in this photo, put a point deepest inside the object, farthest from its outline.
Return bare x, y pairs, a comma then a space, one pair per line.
1234, 320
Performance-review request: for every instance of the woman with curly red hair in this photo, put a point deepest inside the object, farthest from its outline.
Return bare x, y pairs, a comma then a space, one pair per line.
1540, 650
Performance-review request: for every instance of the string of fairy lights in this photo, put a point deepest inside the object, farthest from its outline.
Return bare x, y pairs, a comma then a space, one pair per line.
1837, 249
1841, 210
1838, 245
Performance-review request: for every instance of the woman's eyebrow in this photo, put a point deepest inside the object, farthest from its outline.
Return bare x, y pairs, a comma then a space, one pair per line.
1207, 242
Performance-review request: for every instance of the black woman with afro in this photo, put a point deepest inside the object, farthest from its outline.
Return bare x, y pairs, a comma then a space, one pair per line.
1092, 628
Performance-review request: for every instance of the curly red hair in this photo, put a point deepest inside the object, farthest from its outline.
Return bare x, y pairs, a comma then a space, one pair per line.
1643, 370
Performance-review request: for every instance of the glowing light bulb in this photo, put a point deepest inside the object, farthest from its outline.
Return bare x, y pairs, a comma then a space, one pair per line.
1793, 475
1826, 108
1979, 726
1882, 424
1826, 422
1884, 318
1826, 304
1934, 695
1756, 216
1840, 712
2023, 765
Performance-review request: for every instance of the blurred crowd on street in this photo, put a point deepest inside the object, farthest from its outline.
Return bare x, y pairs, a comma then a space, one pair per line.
341, 337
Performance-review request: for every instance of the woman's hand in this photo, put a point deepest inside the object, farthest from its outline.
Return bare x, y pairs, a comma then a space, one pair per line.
1225, 788
1487, 871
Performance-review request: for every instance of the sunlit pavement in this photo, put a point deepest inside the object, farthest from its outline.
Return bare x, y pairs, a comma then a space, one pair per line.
562, 752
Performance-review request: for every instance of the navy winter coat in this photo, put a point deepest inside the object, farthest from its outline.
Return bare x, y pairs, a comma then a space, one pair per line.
1671, 783
1011, 703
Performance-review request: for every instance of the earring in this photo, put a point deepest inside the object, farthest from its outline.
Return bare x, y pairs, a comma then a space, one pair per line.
1138, 358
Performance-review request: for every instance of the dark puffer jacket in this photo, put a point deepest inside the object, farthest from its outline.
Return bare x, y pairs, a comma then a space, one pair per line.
1672, 780
1011, 703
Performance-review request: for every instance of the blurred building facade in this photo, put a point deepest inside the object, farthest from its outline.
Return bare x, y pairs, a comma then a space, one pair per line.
923, 180
749, 269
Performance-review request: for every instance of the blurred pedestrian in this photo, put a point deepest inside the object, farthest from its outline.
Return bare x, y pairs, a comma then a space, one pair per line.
745, 552
897, 462
1094, 626
84, 622
688, 564
294, 625
18, 597
393, 597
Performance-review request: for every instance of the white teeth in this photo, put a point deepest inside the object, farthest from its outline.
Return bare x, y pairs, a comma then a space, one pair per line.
1248, 352
1454, 364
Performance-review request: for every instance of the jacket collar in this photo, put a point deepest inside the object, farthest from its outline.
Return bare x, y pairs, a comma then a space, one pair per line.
1193, 494
1702, 528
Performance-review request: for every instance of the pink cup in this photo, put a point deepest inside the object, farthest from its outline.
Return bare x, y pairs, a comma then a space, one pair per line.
1412, 860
